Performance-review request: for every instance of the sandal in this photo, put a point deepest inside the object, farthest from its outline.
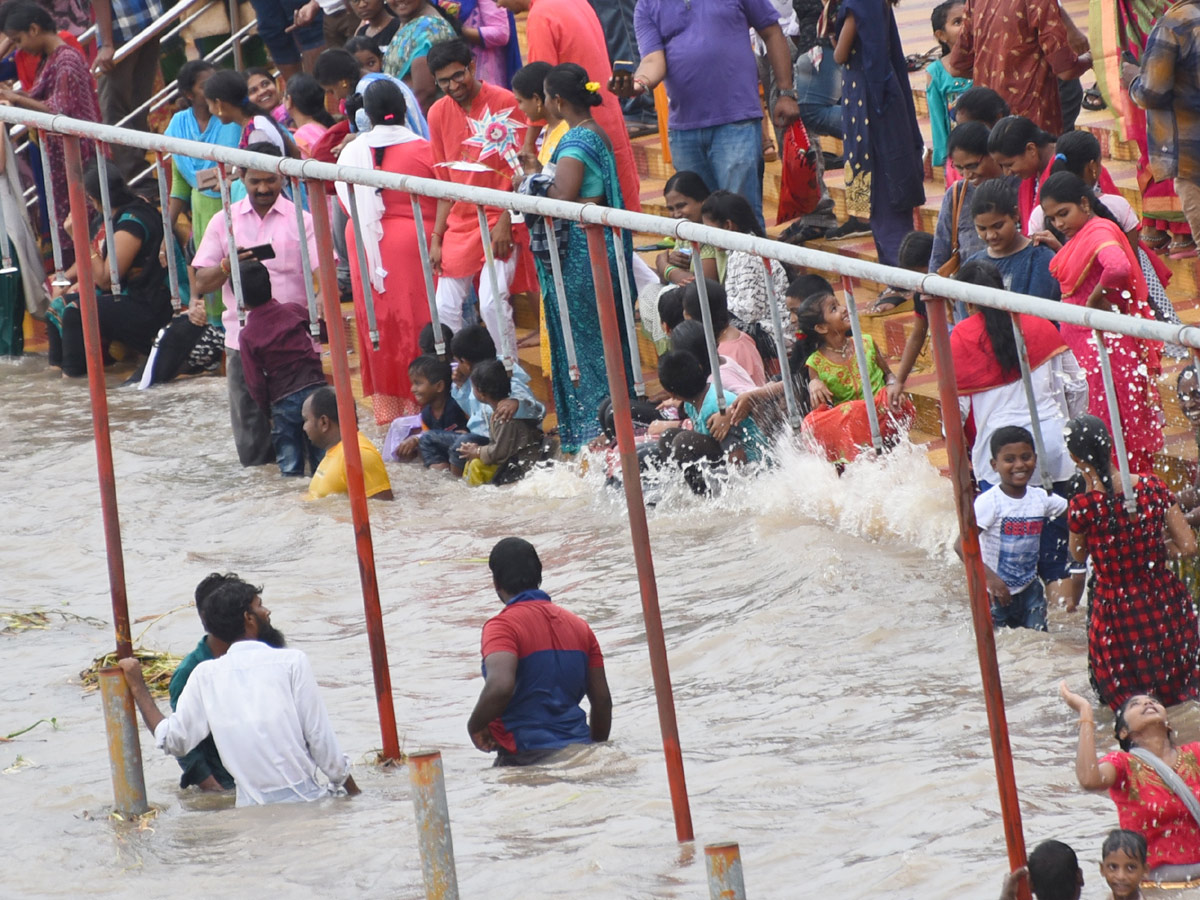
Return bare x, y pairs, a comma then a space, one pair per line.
887, 303
1181, 249
1093, 99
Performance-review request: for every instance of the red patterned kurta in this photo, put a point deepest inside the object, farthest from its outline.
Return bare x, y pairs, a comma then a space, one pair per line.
1142, 635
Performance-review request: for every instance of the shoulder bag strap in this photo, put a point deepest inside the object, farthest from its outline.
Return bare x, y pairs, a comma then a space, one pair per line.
1172, 780
960, 191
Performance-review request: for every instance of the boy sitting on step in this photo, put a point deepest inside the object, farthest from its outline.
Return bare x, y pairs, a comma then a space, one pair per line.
430, 379
516, 441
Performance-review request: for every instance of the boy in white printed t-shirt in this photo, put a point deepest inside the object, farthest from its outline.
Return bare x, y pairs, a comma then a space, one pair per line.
1010, 517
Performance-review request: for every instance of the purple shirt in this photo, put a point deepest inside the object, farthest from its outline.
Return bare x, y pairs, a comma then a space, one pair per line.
712, 76
277, 228
278, 357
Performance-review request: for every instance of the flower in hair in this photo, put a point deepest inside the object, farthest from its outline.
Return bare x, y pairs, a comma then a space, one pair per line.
593, 87
389, 117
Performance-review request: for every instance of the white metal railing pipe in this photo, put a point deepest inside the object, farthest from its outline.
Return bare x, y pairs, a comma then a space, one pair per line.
864, 371
635, 355
710, 334
310, 291
785, 366
439, 343
560, 295
1035, 421
110, 239
592, 214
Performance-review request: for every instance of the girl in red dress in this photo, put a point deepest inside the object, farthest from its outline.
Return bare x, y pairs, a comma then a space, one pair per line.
1142, 636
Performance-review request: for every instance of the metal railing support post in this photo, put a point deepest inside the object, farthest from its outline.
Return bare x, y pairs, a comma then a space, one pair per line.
610, 331
124, 746
860, 358
433, 825
348, 420
723, 863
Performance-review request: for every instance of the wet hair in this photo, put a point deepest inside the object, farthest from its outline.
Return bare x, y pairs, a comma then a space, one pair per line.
384, 104
916, 249
981, 104
1129, 842
694, 453
446, 53
490, 379
969, 137
256, 283
1012, 134
997, 322
189, 74
324, 403
1053, 871
689, 184
681, 374
718, 304
670, 308
726, 206
568, 81
119, 193
1008, 434
425, 342
337, 65
22, 15
688, 336
809, 315
432, 368
530, 80
1064, 187
224, 609
1088, 439
1074, 151
309, 98
473, 344
938, 19
515, 566
997, 196
804, 286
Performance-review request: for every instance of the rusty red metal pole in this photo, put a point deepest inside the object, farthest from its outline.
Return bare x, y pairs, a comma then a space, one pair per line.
610, 331
981, 615
98, 391
348, 420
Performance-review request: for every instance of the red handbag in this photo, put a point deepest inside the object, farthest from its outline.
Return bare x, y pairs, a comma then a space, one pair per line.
800, 189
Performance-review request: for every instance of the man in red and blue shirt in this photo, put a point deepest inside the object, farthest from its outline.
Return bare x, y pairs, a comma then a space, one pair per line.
539, 661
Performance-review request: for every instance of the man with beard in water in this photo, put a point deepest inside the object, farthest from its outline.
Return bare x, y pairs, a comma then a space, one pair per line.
538, 662
259, 701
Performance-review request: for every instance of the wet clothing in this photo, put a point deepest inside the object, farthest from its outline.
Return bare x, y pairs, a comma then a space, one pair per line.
202, 760
554, 649
330, 477
1141, 623
1146, 805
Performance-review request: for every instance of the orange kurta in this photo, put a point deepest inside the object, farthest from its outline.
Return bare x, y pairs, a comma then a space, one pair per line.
560, 31
462, 251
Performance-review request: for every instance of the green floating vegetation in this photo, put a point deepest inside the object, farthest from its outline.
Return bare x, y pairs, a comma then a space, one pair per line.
157, 669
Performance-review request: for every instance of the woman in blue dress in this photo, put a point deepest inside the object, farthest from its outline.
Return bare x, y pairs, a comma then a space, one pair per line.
583, 170
883, 143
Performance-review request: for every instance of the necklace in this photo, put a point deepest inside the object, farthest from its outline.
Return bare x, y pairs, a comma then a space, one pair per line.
842, 351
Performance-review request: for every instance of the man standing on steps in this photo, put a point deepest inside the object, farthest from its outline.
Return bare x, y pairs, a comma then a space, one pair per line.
126, 85
560, 31
1167, 86
455, 248
702, 51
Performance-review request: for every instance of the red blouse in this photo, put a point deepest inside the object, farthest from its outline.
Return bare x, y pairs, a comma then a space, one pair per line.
1146, 805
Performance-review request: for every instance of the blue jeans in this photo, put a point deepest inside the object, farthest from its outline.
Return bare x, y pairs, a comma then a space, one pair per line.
1026, 609
442, 447
820, 95
285, 47
292, 446
727, 157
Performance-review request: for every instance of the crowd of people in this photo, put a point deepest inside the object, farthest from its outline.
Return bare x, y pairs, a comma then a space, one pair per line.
407, 87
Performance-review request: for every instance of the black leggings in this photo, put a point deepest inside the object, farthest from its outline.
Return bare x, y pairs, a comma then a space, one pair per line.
132, 322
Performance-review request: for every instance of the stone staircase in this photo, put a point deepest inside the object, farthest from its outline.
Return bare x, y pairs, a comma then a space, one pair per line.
891, 331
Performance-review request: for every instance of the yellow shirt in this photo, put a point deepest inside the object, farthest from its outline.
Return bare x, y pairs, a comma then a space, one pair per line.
550, 140
330, 477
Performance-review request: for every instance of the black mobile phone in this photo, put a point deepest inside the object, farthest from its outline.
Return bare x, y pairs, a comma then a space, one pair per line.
261, 252
623, 65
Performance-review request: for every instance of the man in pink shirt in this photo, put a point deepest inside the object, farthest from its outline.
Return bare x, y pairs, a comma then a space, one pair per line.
455, 247
263, 217
560, 31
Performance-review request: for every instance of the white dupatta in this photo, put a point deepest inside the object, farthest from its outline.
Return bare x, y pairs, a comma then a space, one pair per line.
360, 154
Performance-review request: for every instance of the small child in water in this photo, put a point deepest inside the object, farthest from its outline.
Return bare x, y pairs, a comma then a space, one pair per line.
516, 442
430, 378
1123, 863
1010, 518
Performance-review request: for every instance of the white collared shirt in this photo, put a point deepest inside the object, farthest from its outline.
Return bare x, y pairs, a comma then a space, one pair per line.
264, 711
